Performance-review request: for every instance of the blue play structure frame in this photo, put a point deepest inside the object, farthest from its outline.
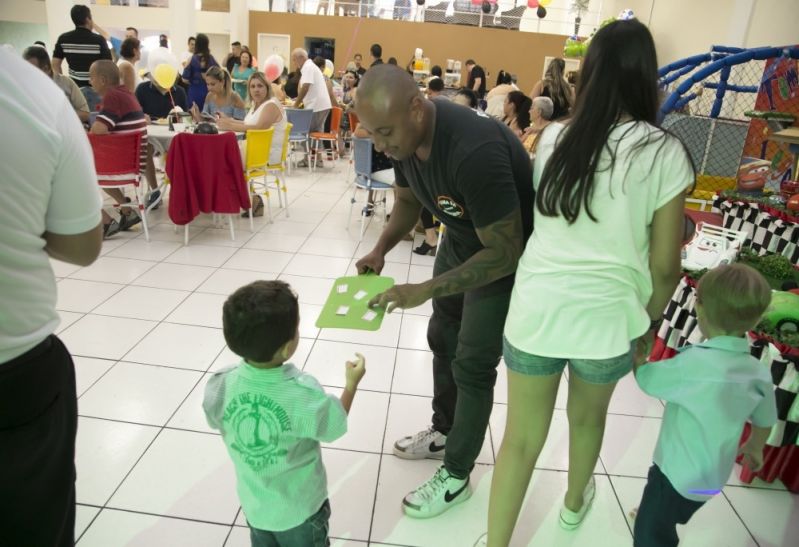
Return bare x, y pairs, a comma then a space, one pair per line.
720, 59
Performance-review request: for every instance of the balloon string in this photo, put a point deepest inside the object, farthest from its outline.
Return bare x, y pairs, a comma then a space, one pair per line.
352, 40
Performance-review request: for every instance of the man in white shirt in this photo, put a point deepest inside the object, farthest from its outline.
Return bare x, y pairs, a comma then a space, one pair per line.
185, 59
50, 208
313, 89
312, 93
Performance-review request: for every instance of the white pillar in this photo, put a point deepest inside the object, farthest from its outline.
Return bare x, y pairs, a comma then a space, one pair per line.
240, 23
183, 23
58, 20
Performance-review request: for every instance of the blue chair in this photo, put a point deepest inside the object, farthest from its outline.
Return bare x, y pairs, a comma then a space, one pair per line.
371, 181
300, 121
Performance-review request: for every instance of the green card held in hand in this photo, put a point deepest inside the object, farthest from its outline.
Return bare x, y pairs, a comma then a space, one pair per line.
347, 306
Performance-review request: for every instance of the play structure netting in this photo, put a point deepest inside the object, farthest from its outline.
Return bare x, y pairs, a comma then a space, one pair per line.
725, 104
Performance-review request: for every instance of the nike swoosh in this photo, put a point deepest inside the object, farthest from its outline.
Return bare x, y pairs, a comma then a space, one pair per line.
448, 497
434, 448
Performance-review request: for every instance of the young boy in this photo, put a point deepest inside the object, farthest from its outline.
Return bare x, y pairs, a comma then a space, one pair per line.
711, 389
272, 417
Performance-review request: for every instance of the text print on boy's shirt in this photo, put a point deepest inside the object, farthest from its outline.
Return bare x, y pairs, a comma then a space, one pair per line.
256, 422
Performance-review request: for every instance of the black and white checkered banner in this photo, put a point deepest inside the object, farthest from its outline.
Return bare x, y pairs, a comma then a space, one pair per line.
767, 232
680, 328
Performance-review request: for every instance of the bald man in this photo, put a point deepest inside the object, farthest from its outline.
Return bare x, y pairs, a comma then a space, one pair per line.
120, 112
473, 174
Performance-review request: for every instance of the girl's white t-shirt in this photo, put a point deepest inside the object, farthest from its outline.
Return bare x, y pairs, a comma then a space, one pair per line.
581, 290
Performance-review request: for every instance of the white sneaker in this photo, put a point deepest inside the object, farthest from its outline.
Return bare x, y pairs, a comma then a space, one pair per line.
436, 495
425, 444
569, 520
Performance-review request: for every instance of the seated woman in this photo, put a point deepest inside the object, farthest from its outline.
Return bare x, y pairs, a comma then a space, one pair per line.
130, 54
221, 100
517, 112
241, 73
540, 117
265, 112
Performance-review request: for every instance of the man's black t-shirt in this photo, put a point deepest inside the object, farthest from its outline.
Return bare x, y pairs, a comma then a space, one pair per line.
157, 105
378, 61
477, 72
81, 47
478, 172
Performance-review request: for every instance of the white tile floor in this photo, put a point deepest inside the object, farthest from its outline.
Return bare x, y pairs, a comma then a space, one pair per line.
144, 323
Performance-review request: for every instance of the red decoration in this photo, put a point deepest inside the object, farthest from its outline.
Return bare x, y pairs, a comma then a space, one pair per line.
532, 4
793, 203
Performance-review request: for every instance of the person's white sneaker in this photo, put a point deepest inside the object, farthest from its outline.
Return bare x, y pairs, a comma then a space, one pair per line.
425, 444
436, 495
569, 520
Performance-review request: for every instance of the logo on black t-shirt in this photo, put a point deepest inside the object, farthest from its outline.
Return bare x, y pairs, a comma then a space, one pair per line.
450, 206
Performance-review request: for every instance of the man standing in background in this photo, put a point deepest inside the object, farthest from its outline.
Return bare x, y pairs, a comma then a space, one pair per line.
81, 47
312, 90
50, 208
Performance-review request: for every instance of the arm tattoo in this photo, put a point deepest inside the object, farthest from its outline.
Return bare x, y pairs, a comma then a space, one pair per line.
503, 243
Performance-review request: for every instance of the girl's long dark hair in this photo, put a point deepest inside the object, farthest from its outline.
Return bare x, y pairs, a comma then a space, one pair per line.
202, 48
618, 78
521, 104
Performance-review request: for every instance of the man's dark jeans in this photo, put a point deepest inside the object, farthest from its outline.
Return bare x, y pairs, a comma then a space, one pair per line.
465, 334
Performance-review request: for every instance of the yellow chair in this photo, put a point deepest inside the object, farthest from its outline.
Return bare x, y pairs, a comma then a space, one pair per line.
256, 164
279, 171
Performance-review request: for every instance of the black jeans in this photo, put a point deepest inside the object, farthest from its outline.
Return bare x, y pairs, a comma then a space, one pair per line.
662, 509
311, 533
465, 335
38, 425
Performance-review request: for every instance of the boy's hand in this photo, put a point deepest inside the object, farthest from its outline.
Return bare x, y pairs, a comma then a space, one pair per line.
643, 348
753, 457
354, 371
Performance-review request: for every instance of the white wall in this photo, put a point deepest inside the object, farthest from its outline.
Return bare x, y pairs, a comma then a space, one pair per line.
682, 28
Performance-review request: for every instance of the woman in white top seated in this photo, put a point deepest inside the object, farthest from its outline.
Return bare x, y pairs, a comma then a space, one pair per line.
130, 53
265, 112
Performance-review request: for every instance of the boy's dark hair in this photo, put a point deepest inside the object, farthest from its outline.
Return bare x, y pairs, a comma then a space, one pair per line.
733, 297
320, 62
376, 50
470, 62
79, 13
126, 50
392, 61
436, 71
260, 318
436, 84
292, 85
134, 29
236, 43
190, 39
39, 43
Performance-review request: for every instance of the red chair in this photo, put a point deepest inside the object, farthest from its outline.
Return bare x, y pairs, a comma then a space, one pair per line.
318, 137
205, 175
117, 163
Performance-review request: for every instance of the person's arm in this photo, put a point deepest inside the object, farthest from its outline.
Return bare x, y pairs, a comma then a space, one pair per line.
78, 102
73, 228
127, 75
476, 86
269, 116
763, 419
79, 249
538, 88
301, 94
354, 373
99, 128
664, 254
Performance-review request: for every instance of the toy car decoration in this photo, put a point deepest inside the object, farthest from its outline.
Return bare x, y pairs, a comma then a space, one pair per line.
712, 246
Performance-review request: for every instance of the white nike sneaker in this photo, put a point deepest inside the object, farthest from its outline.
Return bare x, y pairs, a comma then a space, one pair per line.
436, 495
569, 520
425, 444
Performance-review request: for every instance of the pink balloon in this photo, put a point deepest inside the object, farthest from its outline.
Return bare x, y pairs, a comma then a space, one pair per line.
477, 2
272, 72
532, 4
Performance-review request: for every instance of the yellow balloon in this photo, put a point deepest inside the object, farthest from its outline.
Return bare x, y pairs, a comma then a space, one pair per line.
328, 72
544, 3
164, 75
